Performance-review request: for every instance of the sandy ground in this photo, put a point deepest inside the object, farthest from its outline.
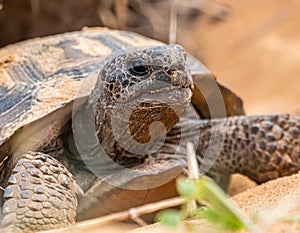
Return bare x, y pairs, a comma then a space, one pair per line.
266, 205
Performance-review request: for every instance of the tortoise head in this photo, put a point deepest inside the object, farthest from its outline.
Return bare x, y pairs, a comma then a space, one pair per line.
143, 87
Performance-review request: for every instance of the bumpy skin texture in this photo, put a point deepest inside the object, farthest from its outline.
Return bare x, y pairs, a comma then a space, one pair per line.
260, 147
40, 194
138, 89
122, 76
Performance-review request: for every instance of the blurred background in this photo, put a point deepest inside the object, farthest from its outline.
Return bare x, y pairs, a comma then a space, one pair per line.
252, 46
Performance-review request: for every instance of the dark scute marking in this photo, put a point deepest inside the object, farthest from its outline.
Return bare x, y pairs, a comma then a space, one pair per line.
25, 71
3, 91
32, 71
77, 73
15, 96
14, 113
113, 43
19, 74
83, 70
70, 51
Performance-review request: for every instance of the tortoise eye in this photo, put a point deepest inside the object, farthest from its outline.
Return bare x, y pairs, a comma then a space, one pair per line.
139, 70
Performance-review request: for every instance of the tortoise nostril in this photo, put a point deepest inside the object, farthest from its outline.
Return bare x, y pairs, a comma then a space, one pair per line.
170, 72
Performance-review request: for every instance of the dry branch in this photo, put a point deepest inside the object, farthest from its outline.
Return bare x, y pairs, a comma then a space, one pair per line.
121, 216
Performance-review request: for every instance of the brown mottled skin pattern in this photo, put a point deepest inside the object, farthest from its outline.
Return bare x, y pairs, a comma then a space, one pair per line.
40, 192
260, 147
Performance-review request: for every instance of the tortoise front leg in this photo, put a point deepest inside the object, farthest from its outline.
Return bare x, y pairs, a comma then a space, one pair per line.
40, 194
261, 147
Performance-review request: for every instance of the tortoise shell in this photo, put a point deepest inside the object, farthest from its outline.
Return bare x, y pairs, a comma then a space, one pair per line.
41, 75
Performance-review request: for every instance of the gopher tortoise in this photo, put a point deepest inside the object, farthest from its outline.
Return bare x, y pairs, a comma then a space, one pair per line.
97, 121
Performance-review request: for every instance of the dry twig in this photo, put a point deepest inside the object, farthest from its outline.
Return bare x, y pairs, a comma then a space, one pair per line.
193, 171
121, 216
173, 22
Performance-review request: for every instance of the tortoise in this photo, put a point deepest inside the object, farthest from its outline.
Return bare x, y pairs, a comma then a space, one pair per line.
96, 121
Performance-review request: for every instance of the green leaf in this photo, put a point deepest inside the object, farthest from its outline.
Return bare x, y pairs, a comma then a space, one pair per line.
170, 218
221, 209
187, 188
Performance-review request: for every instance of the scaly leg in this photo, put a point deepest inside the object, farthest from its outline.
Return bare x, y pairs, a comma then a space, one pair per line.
261, 147
40, 194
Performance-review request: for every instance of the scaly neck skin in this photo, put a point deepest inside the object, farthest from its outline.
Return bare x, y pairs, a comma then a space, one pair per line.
130, 133
260, 147
106, 135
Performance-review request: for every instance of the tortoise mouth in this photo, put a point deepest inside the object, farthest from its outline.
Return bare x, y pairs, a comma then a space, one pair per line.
160, 87
150, 91
176, 98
